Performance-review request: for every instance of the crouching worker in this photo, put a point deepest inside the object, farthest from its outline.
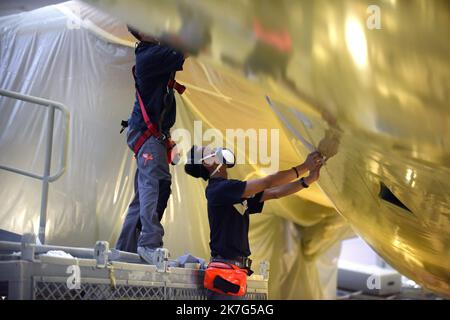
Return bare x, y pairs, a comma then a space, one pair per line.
230, 202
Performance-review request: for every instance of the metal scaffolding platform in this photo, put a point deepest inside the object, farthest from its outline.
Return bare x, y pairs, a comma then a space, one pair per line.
27, 272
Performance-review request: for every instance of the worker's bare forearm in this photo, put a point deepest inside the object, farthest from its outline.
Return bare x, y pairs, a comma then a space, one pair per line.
312, 161
273, 180
255, 186
292, 187
282, 191
285, 176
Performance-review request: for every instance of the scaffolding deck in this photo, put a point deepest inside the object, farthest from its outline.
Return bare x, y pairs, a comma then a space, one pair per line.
45, 277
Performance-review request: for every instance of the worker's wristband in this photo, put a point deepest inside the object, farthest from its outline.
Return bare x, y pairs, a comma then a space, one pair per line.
296, 171
303, 183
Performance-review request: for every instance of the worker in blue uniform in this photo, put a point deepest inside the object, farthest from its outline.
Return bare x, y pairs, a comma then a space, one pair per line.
230, 202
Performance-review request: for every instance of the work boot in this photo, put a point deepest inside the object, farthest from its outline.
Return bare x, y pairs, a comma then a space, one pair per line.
147, 254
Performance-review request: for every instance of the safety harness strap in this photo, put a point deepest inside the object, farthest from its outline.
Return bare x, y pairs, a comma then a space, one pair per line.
147, 121
151, 128
141, 140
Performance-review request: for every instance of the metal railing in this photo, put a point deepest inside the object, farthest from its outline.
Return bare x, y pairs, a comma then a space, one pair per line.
46, 178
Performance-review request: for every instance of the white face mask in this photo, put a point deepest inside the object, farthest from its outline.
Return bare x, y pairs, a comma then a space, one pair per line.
224, 157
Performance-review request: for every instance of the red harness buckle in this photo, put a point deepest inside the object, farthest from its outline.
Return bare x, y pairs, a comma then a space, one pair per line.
173, 84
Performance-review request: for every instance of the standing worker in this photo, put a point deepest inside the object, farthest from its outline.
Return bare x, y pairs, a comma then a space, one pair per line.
148, 135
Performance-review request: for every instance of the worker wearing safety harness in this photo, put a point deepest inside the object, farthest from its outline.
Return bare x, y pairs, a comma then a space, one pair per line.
148, 135
230, 202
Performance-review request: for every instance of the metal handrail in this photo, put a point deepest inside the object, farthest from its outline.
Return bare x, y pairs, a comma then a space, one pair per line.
85, 253
46, 178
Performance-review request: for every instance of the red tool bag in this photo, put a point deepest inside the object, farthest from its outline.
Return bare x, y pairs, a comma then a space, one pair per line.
226, 278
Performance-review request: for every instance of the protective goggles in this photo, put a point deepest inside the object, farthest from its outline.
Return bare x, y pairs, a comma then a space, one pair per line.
224, 157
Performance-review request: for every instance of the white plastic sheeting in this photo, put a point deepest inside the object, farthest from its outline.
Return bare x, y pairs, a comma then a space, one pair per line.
41, 56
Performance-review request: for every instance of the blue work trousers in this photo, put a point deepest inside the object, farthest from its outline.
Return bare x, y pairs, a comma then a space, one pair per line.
152, 181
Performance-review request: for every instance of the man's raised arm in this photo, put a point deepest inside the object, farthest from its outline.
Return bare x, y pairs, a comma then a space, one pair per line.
282, 177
